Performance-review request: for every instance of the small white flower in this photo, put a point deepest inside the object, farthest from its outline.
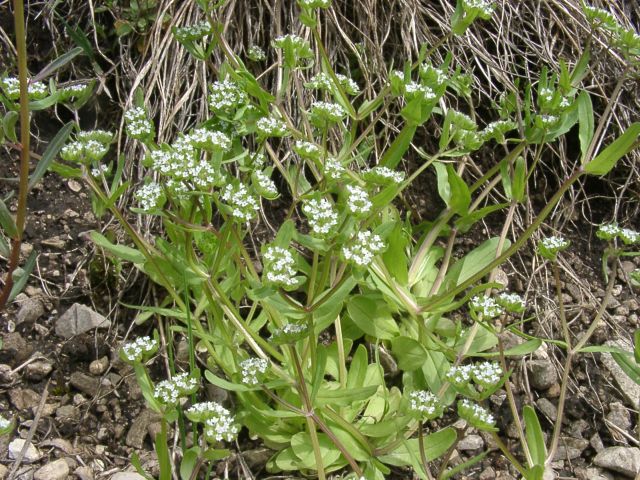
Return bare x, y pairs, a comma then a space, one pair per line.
487, 374
548, 120
226, 96
220, 426
279, 267
629, 236
358, 200
322, 217
148, 196
138, 125
193, 32
415, 90
327, 111
11, 87
271, 127
425, 403
512, 302
307, 149
460, 375
554, 242
384, 173
256, 54
252, 368
209, 140
267, 185
243, 204
136, 351
485, 306
484, 6
171, 391
96, 172
475, 414
333, 169
363, 248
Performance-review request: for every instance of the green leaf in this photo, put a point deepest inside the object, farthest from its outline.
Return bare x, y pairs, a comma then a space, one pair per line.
135, 461
534, 435
627, 363
444, 189
473, 262
162, 450
358, 368
7, 222
585, 122
602, 349
460, 194
120, 251
519, 350
303, 449
385, 428
54, 146
9, 125
372, 317
519, 179
21, 275
344, 396
224, 384
188, 463
410, 354
318, 376
636, 343
606, 160
59, 62
400, 145
436, 445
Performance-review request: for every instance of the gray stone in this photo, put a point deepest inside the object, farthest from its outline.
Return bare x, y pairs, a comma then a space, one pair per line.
619, 416
4, 471
624, 460
127, 476
84, 473
596, 443
487, 474
140, 428
547, 408
549, 474
57, 470
68, 413
7, 375
38, 370
79, 319
32, 454
15, 349
570, 448
471, 442
24, 398
85, 383
30, 311
593, 474
98, 367
543, 374
629, 388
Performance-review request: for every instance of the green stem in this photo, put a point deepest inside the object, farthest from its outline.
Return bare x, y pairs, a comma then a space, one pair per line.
561, 312
25, 137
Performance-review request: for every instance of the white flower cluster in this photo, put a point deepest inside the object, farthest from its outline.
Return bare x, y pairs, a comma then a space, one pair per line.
424, 403
484, 6
193, 32
88, 147
554, 243
327, 111
294, 328
436, 74
362, 250
475, 414
295, 40
209, 140
256, 54
415, 90
512, 302
252, 368
259, 160
101, 169
546, 94
485, 306
498, 127
397, 74
265, 183
182, 163
487, 374
220, 425
279, 265
307, 149
226, 96
243, 204
322, 81
11, 87
271, 127
171, 391
384, 174
138, 125
76, 90
137, 350
460, 375
333, 169
611, 231
148, 196
548, 121
321, 215
4, 423
315, 3
358, 201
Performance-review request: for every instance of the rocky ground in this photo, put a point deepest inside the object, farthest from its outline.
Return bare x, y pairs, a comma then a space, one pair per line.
80, 413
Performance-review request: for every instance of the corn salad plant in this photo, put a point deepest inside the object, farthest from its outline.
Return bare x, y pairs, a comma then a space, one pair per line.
300, 329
